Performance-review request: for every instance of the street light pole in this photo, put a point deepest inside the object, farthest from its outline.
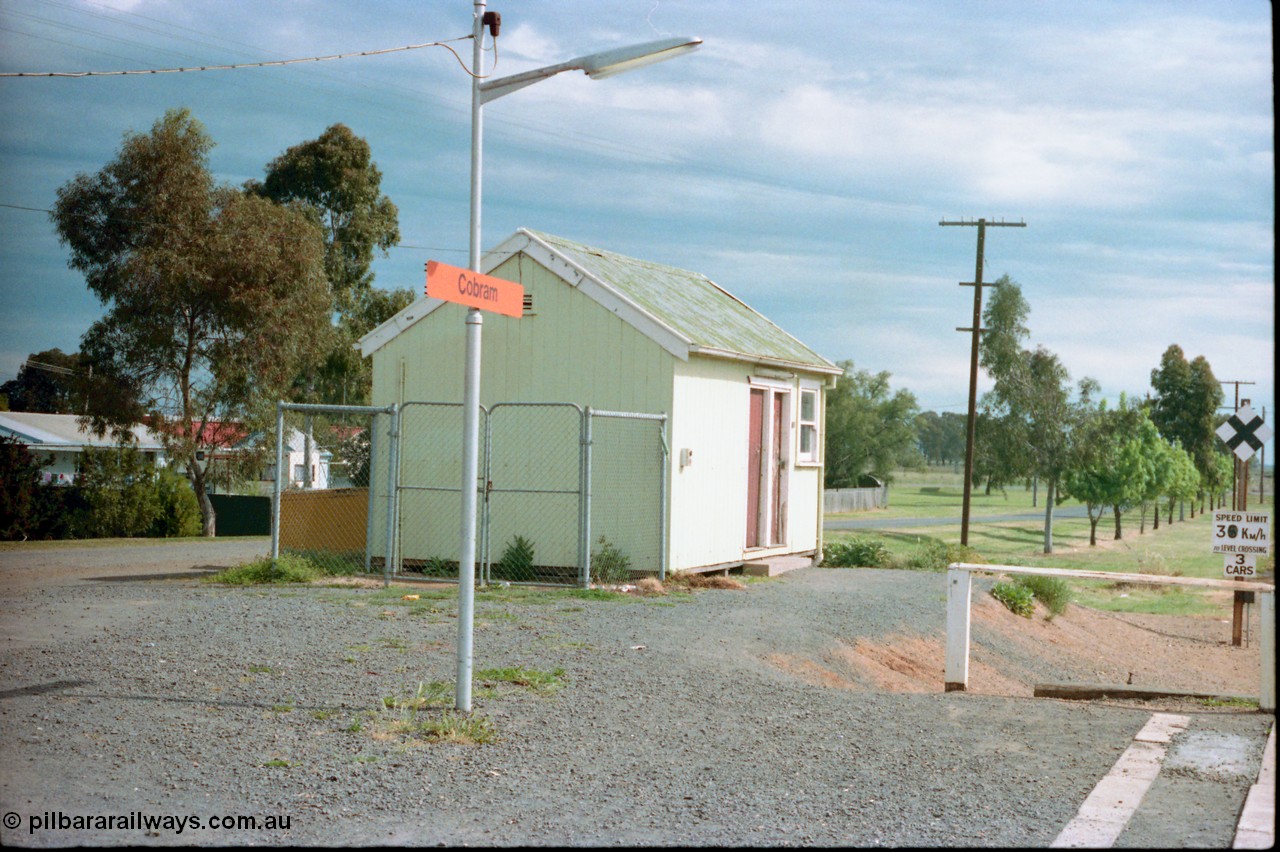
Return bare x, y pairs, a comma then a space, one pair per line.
471, 389
596, 66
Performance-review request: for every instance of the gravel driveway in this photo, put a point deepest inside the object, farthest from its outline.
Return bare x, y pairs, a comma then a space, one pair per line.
673, 724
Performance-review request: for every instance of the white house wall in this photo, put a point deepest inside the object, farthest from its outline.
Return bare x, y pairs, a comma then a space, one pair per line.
709, 495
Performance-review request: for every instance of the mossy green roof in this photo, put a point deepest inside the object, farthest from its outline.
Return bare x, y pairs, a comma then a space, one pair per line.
691, 305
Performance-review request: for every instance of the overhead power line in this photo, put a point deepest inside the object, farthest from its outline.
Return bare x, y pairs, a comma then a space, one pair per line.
237, 66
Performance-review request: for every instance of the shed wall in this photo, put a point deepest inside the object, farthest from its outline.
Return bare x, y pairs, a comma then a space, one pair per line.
569, 350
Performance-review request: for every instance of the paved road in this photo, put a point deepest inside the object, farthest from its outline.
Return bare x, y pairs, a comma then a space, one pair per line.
873, 522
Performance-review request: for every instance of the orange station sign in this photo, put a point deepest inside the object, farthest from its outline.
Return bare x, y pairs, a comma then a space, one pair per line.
474, 289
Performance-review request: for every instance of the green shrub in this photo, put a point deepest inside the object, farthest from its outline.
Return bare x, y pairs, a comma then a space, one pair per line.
118, 487
438, 566
963, 553
1016, 597
609, 564
1053, 592
855, 553
25, 504
179, 511
517, 560
935, 555
289, 568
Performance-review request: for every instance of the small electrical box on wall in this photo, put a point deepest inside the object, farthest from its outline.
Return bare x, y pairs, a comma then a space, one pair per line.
686, 458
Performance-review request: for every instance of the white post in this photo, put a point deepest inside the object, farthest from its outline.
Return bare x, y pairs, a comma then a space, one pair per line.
959, 583
1267, 696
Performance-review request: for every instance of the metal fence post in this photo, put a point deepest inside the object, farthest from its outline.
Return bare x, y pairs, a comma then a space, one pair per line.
584, 501
662, 500
487, 480
275, 488
373, 479
393, 483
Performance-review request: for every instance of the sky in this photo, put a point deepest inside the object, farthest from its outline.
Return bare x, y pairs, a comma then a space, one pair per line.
803, 158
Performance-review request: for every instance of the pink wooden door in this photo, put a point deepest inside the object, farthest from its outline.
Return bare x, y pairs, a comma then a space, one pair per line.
755, 459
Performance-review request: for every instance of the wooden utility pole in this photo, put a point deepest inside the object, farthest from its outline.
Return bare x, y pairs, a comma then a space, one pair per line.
1239, 503
976, 331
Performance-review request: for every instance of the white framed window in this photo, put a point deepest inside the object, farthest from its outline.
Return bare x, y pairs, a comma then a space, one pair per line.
809, 450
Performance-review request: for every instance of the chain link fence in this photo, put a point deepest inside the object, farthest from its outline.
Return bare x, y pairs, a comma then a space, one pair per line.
567, 496
533, 494
626, 467
331, 482
429, 489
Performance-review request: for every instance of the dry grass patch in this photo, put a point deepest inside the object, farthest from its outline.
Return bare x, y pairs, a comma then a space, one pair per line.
705, 581
650, 586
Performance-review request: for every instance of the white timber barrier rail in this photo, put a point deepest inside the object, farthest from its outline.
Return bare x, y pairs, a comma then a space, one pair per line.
959, 585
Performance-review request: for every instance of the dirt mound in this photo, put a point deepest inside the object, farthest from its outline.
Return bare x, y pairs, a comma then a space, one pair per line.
1010, 654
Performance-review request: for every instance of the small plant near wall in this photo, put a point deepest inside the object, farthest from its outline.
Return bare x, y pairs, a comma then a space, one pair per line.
517, 560
609, 564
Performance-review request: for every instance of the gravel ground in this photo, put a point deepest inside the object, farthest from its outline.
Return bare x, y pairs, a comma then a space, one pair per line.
674, 723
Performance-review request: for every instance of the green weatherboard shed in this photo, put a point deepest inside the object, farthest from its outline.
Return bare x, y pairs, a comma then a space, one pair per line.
744, 399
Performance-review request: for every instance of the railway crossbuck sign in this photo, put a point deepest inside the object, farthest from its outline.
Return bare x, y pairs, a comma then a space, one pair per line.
1245, 433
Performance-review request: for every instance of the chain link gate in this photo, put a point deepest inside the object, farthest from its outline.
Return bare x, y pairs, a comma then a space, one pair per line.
428, 508
331, 484
568, 496
626, 464
532, 525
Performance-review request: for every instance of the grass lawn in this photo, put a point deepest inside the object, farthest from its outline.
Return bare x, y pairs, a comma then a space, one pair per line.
1178, 549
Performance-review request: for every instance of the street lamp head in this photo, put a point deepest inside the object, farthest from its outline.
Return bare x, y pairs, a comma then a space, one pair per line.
607, 63
595, 65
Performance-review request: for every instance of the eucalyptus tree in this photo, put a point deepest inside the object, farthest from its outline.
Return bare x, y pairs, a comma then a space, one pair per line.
1184, 408
335, 181
1157, 460
1031, 401
870, 428
1105, 464
214, 299
47, 383
1182, 481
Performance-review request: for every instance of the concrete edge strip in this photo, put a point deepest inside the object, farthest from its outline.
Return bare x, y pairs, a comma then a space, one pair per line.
1257, 826
1116, 797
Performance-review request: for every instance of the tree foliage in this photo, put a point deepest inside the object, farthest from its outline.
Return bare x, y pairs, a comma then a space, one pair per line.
869, 427
48, 382
335, 181
215, 299
117, 485
56, 382
941, 437
1182, 480
1030, 417
1185, 407
21, 507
